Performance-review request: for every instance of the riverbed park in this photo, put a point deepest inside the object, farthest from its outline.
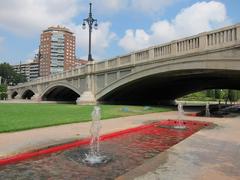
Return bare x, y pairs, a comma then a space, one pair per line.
119, 90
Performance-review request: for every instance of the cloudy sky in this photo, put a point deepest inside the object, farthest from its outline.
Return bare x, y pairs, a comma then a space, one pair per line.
124, 25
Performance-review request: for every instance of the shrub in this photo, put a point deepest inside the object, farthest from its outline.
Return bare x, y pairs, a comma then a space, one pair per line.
3, 95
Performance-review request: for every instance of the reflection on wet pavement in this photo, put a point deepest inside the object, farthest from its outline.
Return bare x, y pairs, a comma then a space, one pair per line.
127, 152
208, 154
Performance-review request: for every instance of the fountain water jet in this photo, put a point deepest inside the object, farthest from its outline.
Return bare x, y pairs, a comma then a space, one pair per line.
94, 156
207, 111
180, 118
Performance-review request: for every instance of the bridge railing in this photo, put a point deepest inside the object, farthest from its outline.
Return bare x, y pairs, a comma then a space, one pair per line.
223, 36
112, 63
220, 38
188, 45
211, 40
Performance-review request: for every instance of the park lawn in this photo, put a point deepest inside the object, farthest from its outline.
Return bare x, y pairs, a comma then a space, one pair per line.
16, 117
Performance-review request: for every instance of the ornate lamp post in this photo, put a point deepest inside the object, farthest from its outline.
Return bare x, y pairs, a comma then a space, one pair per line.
88, 97
90, 21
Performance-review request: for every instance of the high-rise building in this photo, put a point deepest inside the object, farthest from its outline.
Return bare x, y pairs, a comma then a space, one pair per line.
57, 49
29, 70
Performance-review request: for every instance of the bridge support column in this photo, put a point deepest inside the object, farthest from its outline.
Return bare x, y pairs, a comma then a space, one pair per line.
18, 96
36, 97
87, 98
238, 33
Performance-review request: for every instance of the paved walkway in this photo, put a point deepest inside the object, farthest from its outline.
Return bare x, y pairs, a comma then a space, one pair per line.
208, 154
12, 143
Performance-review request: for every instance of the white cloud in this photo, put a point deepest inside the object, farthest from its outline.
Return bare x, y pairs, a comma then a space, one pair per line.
162, 31
201, 16
101, 38
134, 40
28, 16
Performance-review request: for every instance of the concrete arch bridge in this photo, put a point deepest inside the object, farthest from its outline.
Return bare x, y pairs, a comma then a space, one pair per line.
159, 73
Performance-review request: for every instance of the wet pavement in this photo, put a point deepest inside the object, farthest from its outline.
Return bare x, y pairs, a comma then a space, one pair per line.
208, 154
125, 151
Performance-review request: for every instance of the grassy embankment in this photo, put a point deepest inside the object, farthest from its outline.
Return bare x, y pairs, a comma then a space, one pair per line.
16, 117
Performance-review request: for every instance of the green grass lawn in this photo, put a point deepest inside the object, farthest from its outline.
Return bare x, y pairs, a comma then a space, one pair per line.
16, 117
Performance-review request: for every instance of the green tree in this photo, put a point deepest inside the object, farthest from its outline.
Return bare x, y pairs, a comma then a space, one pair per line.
232, 95
218, 94
3, 88
9, 76
210, 93
3, 92
225, 95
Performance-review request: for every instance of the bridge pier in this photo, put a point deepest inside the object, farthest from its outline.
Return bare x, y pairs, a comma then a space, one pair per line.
17, 96
87, 98
36, 97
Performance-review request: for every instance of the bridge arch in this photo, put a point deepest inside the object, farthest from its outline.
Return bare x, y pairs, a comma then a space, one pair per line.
14, 94
60, 91
173, 79
28, 94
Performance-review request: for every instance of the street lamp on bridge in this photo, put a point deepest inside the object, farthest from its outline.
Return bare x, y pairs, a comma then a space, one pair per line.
90, 21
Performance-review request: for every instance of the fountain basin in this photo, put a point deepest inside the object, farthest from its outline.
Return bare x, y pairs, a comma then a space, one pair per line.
127, 150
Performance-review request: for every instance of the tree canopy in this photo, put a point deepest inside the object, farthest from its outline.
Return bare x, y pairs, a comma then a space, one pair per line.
227, 95
9, 76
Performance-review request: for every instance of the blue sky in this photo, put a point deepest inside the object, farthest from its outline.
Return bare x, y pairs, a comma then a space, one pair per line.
124, 25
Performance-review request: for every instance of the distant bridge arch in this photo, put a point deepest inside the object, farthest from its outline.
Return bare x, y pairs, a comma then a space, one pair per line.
27, 94
14, 94
60, 91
